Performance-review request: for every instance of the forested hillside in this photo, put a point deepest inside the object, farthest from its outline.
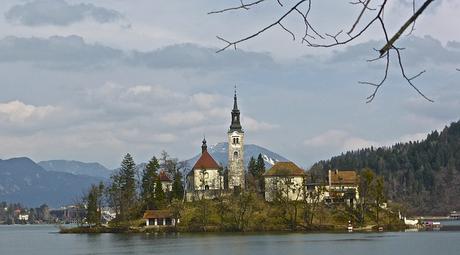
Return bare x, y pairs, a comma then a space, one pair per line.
423, 175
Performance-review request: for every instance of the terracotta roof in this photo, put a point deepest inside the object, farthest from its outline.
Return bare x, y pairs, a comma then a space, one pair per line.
206, 162
343, 177
285, 169
164, 177
158, 214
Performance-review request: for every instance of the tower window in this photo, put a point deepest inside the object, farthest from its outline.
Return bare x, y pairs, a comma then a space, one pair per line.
235, 155
236, 140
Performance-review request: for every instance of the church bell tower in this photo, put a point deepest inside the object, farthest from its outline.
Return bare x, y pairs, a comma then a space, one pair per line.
235, 150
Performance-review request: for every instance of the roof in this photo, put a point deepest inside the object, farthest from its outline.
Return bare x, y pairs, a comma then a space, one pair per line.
343, 177
206, 162
285, 169
158, 214
164, 177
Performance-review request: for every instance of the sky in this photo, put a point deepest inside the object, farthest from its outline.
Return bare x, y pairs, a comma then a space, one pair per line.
92, 80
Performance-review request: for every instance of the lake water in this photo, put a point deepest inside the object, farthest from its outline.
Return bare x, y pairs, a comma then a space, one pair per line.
41, 240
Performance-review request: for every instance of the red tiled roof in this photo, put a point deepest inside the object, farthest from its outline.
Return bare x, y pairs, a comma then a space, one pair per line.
285, 169
206, 162
164, 177
158, 214
343, 177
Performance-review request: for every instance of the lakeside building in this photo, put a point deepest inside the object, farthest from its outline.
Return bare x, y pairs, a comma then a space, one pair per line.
157, 218
342, 187
284, 180
206, 180
166, 182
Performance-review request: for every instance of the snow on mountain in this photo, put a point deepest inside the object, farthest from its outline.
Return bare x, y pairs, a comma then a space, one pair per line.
220, 153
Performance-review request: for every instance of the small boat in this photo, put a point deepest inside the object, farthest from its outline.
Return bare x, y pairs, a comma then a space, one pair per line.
454, 215
432, 225
410, 222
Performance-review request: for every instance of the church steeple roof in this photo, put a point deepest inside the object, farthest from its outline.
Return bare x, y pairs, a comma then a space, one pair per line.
235, 125
206, 161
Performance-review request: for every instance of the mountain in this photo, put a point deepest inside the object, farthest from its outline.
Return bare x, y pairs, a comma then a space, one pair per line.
423, 175
24, 181
220, 153
76, 167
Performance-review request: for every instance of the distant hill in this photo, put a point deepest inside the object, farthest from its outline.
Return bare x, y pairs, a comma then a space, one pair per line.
76, 167
220, 153
425, 175
24, 181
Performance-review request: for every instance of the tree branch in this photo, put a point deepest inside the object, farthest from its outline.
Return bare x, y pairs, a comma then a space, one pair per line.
404, 27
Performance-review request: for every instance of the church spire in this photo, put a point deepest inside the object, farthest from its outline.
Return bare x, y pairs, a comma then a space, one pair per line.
235, 125
204, 147
235, 103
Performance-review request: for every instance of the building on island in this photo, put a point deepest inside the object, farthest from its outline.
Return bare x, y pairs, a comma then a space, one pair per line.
205, 179
159, 218
343, 186
284, 180
166, 182
235, 135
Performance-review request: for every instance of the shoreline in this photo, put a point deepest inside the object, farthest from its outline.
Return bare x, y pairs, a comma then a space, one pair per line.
215, 230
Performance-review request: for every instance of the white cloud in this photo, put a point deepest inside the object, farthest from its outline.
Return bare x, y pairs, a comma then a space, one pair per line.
17, 111
205, 100
254, 125
59, 13
338, 140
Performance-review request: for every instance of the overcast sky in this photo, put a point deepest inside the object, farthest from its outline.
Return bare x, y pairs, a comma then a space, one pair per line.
91, 80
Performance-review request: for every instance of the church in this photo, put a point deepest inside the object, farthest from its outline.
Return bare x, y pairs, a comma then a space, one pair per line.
208, 179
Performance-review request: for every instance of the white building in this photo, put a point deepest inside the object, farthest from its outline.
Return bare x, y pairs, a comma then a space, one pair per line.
166, 182
284, 180
205, 179
235, 150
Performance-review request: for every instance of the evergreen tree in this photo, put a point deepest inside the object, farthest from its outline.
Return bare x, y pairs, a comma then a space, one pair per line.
260, 173
177, 187
94, 204
149, 176
160, 196
252, 167
122, 192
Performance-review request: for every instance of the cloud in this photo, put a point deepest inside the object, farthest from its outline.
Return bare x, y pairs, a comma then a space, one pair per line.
338, 139
69, 52
254, 125
17, 111
73, 53
59, 13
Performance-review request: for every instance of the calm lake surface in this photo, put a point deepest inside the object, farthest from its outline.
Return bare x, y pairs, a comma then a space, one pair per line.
44, 239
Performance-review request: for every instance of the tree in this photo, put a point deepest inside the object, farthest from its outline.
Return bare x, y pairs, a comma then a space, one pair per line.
365, 188
371, 15
149, 176
378, 193
252, 169
160, 196
312, 199
122, 191
94, 204
260, 173
177, 191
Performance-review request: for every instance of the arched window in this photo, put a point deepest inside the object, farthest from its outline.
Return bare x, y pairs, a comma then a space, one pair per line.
235, 155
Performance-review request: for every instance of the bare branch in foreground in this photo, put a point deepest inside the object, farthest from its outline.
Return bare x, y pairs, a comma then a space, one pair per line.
242, 6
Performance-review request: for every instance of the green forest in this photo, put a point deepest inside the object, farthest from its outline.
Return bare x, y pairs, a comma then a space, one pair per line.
422, 175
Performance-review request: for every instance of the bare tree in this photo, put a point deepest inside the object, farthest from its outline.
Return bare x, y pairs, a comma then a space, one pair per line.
371, 15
